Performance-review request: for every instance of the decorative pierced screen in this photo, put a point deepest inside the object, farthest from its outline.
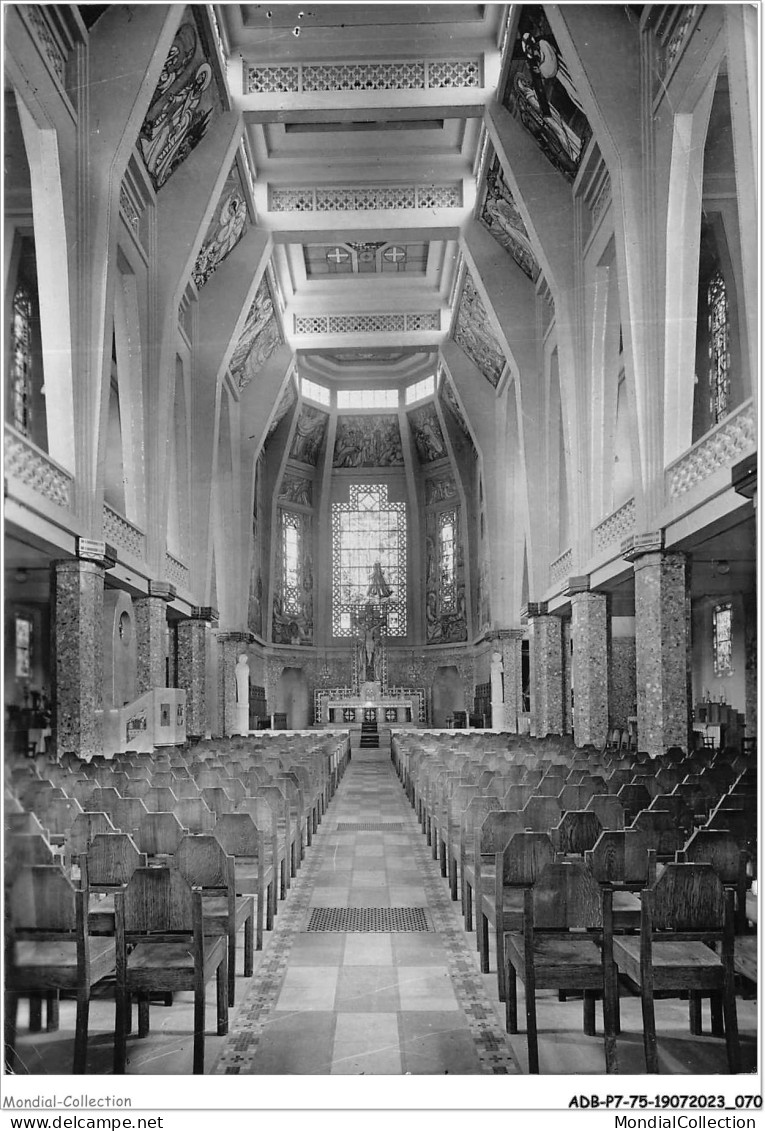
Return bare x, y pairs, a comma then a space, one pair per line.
366, 530
364, 198
291, 556
366, 323
415, 74
719, 355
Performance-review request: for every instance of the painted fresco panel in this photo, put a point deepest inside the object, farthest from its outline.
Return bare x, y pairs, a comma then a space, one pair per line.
500, 215
474, 334
367, 441
309, 435
225, 230
426, 431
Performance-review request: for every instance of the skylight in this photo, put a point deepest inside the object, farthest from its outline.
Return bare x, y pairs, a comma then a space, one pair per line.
367, 398
315, 392
424, 388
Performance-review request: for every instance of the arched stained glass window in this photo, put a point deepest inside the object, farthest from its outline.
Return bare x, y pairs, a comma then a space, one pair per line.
21, 360
722, 639
366, 530
719, 349
291, 558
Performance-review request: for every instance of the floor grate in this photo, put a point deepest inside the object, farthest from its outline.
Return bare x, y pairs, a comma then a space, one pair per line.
368, 920
369, 826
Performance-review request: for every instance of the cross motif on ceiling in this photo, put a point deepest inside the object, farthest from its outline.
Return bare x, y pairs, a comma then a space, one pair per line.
338, 255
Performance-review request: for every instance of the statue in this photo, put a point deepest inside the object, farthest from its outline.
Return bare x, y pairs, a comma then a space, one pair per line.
242, 673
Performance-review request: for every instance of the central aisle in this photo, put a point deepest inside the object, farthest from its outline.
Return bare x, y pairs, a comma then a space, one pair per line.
340, 997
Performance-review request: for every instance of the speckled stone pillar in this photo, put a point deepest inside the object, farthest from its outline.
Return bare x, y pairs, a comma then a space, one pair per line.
750, 665
193, 660
150, 630
547, 674
511, 660
589, 665
568, 716
77, 598
661, 645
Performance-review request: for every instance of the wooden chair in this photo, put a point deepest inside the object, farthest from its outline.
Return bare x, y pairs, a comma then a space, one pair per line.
160, 948
203, 863
194, 814
106, 867
557, 948
723, 851
633, 797
524, 857
48, 949
489, 841
240, 837
622, 860
473, 816
663, 834
80, 836
685, 910
22, 850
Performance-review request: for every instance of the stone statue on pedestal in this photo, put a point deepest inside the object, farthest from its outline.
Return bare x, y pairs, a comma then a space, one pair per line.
497, 692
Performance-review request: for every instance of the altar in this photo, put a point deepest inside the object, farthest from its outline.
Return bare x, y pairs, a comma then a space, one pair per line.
342, 711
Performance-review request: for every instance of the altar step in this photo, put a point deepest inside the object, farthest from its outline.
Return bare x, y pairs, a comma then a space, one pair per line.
369, 735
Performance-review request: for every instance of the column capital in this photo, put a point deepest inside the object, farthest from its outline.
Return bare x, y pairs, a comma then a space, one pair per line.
162, 589
203, 612
650, 542
533, 609
91, 550
577, 584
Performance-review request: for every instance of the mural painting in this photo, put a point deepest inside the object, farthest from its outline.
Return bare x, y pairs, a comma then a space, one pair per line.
259, 338
445, 606
501, 216
309, 435
296, 489
367, 441
540, 93
426, 430
449, 402
184, 101
437, 490
288, 398
473, 333
225, 230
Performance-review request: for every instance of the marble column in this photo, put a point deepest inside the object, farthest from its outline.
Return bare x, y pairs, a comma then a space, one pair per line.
77, 598
662, 637
151, 636
568, 719
547, 673
193, 661
589, 666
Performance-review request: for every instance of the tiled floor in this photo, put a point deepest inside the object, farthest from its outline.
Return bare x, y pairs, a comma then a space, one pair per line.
322, 1003
385, 1002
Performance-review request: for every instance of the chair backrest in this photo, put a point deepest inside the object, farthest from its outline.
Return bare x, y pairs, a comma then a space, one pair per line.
525, 856
25, 849
157, 901
608, 809
575, 796
577, 831
664, 835
717, 847
159, 834
217, 799
497, 829
516, 796
620, 857
23, 822
111, 860
58, 814
566, 895
687, 897
541, 812
238, 834
42, 898
204, 863
160, 799
84, 827
194, 814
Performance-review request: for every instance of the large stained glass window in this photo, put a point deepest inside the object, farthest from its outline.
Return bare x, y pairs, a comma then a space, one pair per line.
291, 559
719, 350
366, 530
447, 542
21, 359
722, 639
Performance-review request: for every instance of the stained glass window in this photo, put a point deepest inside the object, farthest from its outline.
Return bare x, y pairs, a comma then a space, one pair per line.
23, 648
291, 558
722, 639
366, 530
719, 351
21, 359
447, 540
